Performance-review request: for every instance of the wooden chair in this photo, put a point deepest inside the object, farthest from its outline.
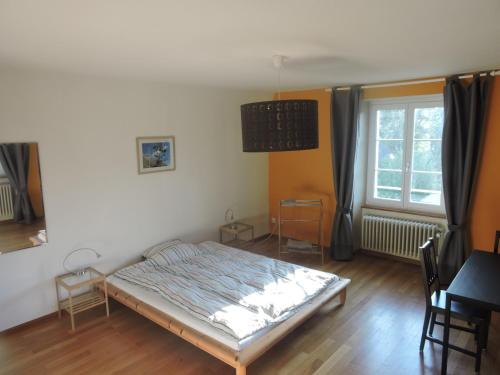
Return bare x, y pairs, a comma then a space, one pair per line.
497, 239
435, 300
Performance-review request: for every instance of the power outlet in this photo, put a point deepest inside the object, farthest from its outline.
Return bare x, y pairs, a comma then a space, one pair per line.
273, 220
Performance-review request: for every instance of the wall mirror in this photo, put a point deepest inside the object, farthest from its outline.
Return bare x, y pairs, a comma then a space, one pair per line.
22, 216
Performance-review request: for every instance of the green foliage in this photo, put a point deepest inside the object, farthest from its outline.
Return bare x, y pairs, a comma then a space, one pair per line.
426, 181
428, 123
390, 123
392, 179
427, 156
390, 155
388, 194
427, 198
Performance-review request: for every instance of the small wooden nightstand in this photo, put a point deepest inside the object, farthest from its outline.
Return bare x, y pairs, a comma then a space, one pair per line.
234, 229
83, 301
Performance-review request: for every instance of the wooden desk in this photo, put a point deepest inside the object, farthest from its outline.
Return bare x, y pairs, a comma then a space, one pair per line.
475, 284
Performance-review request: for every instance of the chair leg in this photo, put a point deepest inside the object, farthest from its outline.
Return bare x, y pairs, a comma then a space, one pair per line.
479, 345
486, 331
433, 320
424, 328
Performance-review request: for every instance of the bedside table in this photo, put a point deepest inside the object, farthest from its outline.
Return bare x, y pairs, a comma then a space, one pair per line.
74, 304
235, 229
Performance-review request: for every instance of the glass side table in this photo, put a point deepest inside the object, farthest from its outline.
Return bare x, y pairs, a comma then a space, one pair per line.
235, 229
95, 295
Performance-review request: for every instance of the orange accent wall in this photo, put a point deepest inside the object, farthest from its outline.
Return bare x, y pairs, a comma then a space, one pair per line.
308, 174
406, 90
304, 174
485, 216
34, 181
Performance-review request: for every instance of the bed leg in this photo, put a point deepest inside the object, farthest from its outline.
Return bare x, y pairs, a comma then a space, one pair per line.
241, 370
342, 296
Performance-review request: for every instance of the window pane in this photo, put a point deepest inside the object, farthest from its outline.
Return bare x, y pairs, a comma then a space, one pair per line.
390, 154
426, 188
390, 123
429, 123
433, 198
426, 181
388, 185
396, 151
427, 156
390, 132
384, 193
389, 179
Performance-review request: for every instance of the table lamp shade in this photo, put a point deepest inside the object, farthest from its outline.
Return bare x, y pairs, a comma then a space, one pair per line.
280, 125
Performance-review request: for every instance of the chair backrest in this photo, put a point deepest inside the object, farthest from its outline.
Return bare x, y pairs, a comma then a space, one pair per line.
497, 239
430, 274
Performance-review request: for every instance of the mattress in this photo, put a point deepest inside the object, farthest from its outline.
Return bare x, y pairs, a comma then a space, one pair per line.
236, 291
247, 346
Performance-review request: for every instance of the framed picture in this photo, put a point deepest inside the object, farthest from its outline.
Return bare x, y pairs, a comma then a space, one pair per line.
155, 154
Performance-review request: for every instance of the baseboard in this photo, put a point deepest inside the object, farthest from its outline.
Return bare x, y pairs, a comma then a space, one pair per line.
261, 237
30, 322
389, 256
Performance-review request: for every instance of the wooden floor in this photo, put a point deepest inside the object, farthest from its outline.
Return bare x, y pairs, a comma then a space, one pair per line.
15, 236
376, 332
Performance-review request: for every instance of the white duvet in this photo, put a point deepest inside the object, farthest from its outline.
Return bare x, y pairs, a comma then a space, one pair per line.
236, 291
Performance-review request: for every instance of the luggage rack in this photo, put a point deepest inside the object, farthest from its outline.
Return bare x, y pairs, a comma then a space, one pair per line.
299, 246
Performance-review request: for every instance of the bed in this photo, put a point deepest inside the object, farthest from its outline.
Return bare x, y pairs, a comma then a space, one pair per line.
230, 303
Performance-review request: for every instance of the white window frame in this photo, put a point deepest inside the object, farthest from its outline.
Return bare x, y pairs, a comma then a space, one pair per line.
409, 103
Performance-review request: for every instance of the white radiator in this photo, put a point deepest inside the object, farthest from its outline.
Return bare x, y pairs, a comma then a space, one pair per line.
6, 206
397, 236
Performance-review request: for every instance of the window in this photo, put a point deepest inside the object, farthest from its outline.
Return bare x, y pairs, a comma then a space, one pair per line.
404, 165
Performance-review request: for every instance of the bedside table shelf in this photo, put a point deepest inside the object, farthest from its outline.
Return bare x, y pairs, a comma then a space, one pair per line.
83, 302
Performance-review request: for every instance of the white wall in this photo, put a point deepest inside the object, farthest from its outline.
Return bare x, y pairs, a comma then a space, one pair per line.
86, 129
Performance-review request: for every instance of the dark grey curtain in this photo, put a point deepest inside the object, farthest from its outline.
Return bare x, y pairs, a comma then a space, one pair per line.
14, 158
344, 133
465, 106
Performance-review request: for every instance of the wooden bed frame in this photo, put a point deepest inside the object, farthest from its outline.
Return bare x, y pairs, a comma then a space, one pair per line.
205, 343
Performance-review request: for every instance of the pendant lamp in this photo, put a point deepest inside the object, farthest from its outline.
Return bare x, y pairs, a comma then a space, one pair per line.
280, 125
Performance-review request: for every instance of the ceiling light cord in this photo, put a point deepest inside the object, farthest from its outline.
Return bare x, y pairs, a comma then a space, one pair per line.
279, 83
278, 64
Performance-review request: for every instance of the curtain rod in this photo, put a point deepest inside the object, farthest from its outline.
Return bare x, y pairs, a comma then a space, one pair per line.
414, 82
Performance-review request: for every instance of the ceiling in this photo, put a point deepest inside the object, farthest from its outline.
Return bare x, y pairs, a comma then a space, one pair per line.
230, 42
